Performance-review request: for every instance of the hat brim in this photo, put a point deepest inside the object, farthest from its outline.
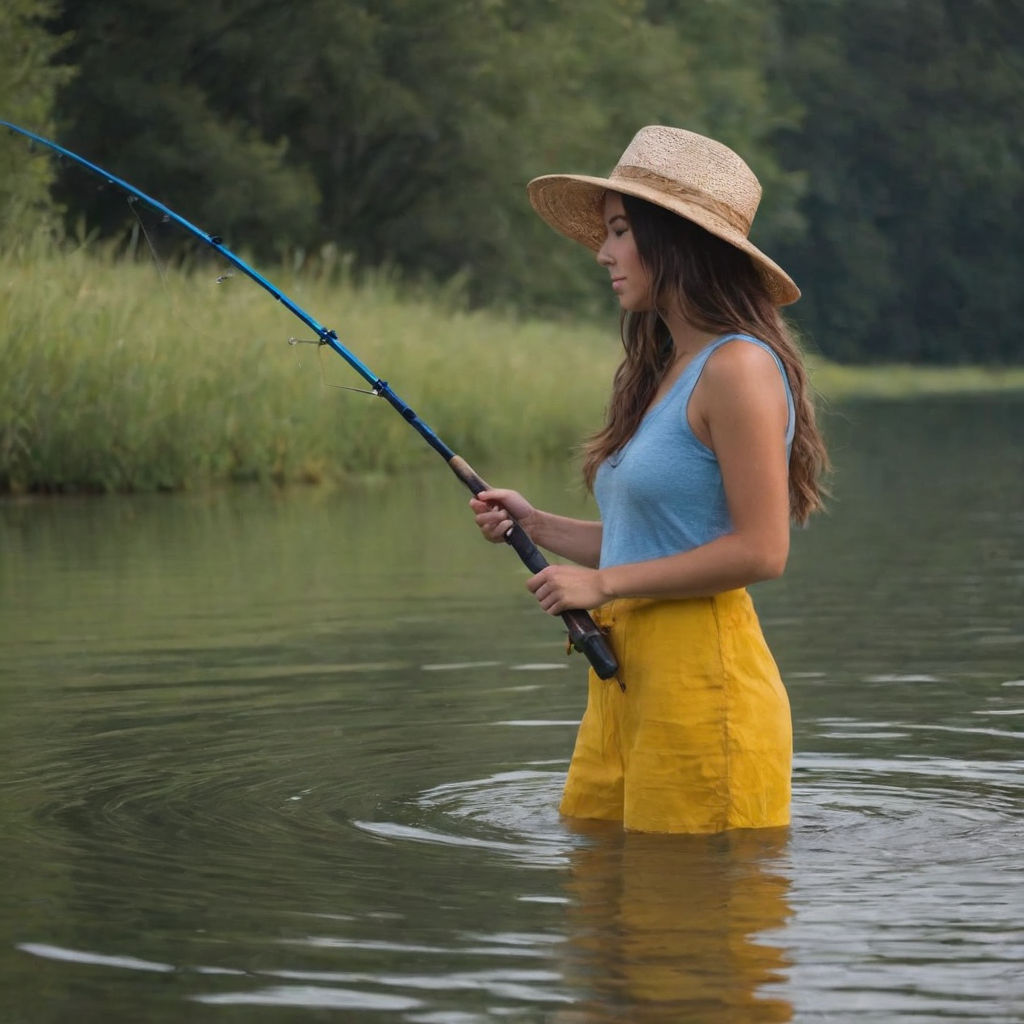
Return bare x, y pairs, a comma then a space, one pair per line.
573, 204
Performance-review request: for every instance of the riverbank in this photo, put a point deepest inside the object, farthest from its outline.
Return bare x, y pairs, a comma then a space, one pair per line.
122, 376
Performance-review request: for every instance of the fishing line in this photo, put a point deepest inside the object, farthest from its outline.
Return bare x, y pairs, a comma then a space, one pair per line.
324, 382
178, 299
134, 204
177, 306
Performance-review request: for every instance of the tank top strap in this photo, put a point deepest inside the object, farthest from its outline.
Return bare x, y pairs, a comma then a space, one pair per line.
696, 367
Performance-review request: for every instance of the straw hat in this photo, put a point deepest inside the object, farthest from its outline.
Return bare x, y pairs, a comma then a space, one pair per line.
689, 174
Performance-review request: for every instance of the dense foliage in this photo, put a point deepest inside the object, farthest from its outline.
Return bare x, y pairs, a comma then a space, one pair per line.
886, 133
28, 83
913, 142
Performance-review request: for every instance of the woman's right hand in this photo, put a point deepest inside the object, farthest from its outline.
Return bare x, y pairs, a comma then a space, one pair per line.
495, 510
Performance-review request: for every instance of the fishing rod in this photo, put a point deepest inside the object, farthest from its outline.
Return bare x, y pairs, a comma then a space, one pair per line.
584, 634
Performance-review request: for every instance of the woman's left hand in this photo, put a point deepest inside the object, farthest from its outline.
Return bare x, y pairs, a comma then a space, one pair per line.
562, 588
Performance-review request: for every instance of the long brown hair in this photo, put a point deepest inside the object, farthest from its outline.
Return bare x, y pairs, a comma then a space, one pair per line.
719, 290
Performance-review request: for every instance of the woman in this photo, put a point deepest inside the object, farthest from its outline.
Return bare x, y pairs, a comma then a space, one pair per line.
709, 450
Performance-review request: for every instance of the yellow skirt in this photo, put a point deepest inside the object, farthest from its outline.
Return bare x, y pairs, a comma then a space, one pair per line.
701, 738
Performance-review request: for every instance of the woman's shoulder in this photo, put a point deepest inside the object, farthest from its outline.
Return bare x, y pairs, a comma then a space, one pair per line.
743, 377
740, 357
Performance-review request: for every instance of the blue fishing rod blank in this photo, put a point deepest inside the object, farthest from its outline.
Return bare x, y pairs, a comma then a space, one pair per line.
584, 634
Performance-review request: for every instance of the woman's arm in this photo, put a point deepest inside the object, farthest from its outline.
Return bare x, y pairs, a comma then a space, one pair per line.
576, 539
739, 410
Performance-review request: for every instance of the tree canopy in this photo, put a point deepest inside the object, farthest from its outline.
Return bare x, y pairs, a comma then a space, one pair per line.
886, 133
912, 141
29, 79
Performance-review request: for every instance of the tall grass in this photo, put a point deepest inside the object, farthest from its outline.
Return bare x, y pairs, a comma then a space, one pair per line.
117, 377
121, 376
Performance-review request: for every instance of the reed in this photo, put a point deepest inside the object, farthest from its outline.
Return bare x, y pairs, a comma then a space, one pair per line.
122, 376
904, 381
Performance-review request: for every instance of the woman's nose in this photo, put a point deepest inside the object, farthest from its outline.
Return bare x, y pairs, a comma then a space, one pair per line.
603, 257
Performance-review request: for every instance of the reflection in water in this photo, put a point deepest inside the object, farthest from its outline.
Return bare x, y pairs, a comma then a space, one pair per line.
673, 928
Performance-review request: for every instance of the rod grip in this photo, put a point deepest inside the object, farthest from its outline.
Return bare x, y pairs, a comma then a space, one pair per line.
584, 634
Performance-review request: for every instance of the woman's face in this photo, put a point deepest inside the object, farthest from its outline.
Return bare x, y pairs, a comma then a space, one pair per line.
631, 280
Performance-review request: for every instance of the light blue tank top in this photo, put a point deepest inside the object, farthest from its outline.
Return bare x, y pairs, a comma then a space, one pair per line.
662, 492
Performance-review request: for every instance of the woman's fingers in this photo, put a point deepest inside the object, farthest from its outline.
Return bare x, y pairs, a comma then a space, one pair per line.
559, 588
514, 504
493, 520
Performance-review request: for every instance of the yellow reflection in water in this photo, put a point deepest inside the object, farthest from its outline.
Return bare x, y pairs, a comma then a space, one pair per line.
676, 928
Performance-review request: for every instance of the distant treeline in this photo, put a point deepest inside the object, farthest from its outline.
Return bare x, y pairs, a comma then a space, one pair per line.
889, 136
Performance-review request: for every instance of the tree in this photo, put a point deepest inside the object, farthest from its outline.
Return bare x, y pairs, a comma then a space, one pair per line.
404, 131
28, 83
913, 145
139, 108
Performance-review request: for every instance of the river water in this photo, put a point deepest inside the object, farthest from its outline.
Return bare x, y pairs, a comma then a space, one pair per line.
296, 757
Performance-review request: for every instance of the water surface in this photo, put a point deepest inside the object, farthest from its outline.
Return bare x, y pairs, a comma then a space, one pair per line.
297, 756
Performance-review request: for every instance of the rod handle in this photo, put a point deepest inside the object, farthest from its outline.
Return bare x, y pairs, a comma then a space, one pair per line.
584, 634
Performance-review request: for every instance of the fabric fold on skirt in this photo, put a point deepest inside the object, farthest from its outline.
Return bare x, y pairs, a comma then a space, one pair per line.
700, 740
